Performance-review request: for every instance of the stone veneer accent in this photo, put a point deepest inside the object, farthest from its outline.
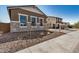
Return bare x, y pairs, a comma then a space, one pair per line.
15, 27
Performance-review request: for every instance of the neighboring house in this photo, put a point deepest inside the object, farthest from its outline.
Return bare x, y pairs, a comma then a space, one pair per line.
55, 22
25, 18
66, 25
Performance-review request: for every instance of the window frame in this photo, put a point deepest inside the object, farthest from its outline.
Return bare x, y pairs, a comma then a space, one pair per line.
39, 20
31, 20
20, 21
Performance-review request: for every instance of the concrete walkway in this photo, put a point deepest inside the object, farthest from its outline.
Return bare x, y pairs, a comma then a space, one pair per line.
65, 30
64, 44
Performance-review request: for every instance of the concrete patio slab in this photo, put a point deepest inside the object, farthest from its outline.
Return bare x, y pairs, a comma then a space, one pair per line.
63, 44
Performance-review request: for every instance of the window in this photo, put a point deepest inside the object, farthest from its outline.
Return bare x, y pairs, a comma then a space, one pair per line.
41, 22
33, 20
58, 20
23, 20
54, 26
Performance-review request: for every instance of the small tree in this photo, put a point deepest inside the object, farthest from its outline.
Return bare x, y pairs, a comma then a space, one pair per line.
76, 25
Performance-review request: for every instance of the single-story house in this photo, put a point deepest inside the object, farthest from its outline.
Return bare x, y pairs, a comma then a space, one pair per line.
25, 18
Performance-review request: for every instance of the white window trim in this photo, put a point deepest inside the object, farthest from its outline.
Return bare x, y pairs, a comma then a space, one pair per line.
19, 20
36, 19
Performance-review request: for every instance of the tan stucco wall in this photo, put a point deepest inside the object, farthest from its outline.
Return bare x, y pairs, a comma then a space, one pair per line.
51, 21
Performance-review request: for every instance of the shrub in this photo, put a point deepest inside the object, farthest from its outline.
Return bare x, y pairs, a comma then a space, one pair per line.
76, 25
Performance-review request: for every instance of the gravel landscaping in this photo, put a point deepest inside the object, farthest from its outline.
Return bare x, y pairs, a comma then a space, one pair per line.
12, 42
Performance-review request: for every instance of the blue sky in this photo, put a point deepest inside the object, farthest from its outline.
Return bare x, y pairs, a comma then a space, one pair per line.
4, 17
69, 13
